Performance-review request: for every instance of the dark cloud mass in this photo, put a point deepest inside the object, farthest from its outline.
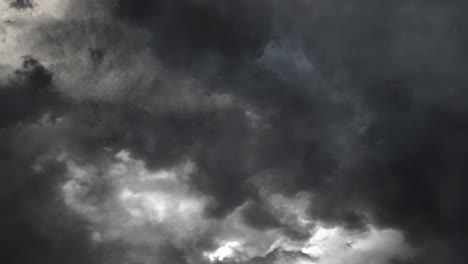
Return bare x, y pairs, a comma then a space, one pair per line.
186, 31
22, 4
36, 228
28, 94
360, 106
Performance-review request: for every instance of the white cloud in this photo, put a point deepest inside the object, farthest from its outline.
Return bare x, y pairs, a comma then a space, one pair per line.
327, 245
340, 246
152, 207
159, 200
16, 24
226, 251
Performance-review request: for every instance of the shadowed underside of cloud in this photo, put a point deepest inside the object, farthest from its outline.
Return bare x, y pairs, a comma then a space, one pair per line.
22, 4
200, 131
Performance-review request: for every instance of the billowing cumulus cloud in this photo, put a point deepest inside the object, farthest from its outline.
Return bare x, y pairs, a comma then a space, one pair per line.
202, 131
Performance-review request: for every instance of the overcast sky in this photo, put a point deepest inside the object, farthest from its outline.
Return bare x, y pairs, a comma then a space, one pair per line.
233, 131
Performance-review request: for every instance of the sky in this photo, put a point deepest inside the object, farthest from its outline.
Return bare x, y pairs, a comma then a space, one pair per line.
233, 132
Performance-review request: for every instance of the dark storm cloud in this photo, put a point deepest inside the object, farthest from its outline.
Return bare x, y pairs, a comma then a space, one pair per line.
164, 139
28, 94
22, 4
402, 60
405, 61
191, 32
35, 225
34, 228
258, 215
376, 131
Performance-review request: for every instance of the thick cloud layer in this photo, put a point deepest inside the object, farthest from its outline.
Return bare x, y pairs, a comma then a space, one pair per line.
199, 131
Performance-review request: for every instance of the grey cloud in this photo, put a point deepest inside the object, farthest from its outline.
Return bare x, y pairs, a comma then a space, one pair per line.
22, 4
361, 105
28, 94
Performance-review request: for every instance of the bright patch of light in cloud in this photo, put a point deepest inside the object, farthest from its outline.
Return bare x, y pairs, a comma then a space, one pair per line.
326, 246
138, 197
225, 251
164, 200
15, 24
159, 206
336, 245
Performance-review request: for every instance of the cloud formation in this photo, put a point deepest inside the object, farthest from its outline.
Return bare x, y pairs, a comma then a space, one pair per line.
200, 131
